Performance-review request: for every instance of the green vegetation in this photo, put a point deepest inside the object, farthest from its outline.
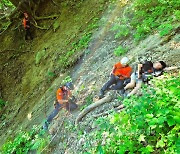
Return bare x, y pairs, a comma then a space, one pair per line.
6, 3
147, 16
2, 103
120, 51
67, 79
39, 56
122, 29
150, 123
68, 58
88, 101
24, 142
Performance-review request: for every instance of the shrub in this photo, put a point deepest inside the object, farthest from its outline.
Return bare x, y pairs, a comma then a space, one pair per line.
165, 29
120, 51
24, 142
150, 123
152, 15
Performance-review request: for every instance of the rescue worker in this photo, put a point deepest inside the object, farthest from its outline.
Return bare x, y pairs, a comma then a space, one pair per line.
26, 24
143, 74
121, 71
64, 99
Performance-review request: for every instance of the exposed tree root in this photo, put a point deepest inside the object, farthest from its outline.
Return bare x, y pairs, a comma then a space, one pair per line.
46, 17
55, 3
91, 107
120, 107
39, 27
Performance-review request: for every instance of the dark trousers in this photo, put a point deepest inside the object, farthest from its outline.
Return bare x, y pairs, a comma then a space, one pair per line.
54, 112
70, 106
114, 82
28, 34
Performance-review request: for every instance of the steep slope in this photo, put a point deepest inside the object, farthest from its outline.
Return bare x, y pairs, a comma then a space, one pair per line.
28, 68
89, 74
93, 71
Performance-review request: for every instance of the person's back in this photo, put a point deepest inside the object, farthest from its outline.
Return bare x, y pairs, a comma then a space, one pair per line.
121, 71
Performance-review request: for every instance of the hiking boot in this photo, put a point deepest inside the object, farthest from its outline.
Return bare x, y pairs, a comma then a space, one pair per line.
45, 126
122, 92
101, 94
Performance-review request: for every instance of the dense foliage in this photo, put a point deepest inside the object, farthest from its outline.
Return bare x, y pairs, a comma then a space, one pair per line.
5, 3
150, 123
25, 142
147, 16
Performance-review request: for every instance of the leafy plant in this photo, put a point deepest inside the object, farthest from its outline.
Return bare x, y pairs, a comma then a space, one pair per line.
2, 103
121, 30
24, 142
6, 3
150, 123
39, 56
88, 101
153, 15
67, 79
165, 29
120, 51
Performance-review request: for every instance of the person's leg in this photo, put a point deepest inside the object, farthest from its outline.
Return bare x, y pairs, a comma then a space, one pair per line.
132, 82
130, 85
107, 85
30, 34
134, 91
54, 113
26, 35
118, 85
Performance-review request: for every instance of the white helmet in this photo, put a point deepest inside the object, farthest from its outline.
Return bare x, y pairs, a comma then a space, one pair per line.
124, 61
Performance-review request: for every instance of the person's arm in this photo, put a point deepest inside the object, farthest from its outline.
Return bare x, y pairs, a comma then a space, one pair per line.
62, 101
113, 70
139, 70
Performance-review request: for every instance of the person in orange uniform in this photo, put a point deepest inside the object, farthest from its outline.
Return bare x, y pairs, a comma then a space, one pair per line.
63, 95
121, 71
26, 24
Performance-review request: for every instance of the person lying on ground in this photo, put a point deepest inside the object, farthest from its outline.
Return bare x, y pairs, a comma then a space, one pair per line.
143, 74
64, 99
121, 71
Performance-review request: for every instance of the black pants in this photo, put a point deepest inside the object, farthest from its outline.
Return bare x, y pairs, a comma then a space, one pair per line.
114, 82
28, 34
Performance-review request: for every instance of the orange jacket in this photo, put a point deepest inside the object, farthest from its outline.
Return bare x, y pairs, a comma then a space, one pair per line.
62, 95
122, 72
25, 23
